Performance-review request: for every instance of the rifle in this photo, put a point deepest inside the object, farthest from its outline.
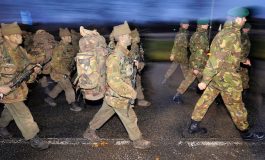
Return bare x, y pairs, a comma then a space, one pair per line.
24, 76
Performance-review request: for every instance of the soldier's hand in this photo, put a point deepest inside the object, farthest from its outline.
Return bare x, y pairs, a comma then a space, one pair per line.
172, 57
4, 89
136, 63
196, 72
247, 62
202, 86
37, 69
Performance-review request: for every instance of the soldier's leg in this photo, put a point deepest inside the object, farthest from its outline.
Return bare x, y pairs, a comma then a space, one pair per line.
66, 85
6, 118
140, 95
170, 71
204, 103
129, 120
245, 78
100, 118
57, 89
185, 69
44, 82
236, 108
23, 119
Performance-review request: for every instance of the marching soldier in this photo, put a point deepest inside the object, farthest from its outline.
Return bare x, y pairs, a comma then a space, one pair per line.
179, 53
199, 48
61, 67
119, 92
221, 76
13, 61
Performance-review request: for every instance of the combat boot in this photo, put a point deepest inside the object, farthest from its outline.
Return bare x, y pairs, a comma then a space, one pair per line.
252, 136
4, 133
143, 103
91, 135
49, 100
141, 144
38, 143
74, 107
178, 98
195, 128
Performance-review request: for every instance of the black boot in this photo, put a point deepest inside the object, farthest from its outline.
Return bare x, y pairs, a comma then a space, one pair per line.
195, 128
49, 100
4, 133
252, 136
178, 98
219, 100
74, 107
91, 135
38, 143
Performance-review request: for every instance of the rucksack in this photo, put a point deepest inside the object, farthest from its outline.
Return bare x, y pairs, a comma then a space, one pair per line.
91, 67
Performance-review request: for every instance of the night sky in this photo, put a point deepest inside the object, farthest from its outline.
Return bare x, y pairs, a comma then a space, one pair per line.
103, 11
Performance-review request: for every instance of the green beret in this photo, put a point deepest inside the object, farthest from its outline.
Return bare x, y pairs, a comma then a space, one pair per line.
238, 12
184, 21
9, 29
202, 21
247, 25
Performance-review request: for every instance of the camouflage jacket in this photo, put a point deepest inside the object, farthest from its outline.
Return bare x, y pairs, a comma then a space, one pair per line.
180, 46
199, 48
12, 63
62, 61
245, 42
119, 71
137, 53
225, 58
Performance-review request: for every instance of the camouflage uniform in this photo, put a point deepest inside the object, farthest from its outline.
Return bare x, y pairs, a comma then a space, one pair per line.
75, 40
221, 75
28, 40
119, 92
12, 63
199, 48
180, 53
61, 67
137, 53
245, 42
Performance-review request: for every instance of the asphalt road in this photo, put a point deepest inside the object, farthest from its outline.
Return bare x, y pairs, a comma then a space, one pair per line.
164, 123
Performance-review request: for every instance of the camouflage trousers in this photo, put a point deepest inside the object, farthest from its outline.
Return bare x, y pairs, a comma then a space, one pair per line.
129, 121
139, 88
232, 100
66, 86
189, 79
174, 66
20, 113
245, 77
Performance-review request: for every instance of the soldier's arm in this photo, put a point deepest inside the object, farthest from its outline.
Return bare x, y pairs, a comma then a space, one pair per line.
211, 69
115, 81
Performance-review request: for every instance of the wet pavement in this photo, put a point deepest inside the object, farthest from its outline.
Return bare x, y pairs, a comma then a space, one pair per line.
164, 123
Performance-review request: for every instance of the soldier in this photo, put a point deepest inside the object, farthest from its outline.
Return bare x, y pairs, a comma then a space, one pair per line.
221, 76
1, 38
245, 52
61, 67
27, 40
75, 40
137, 53
13, 62
179, 53
199, 48
119, 92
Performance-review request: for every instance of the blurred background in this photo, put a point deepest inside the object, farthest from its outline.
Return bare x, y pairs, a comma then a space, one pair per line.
156, 20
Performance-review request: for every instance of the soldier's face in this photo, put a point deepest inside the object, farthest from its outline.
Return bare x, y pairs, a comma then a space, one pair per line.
245, 30
67, 39
205, 26
127, 39
240, 21
14, 38
185, 26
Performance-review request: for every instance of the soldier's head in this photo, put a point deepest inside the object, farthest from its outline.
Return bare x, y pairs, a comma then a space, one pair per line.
239, 15
203, 23
246, 28
65, 35
135, 36
12, 33
1, 36
184, 24
122, 33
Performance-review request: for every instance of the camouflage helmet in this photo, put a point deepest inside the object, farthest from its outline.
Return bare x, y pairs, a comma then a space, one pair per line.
9, 29
121, 29
43, 37
64, 32
238, 12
